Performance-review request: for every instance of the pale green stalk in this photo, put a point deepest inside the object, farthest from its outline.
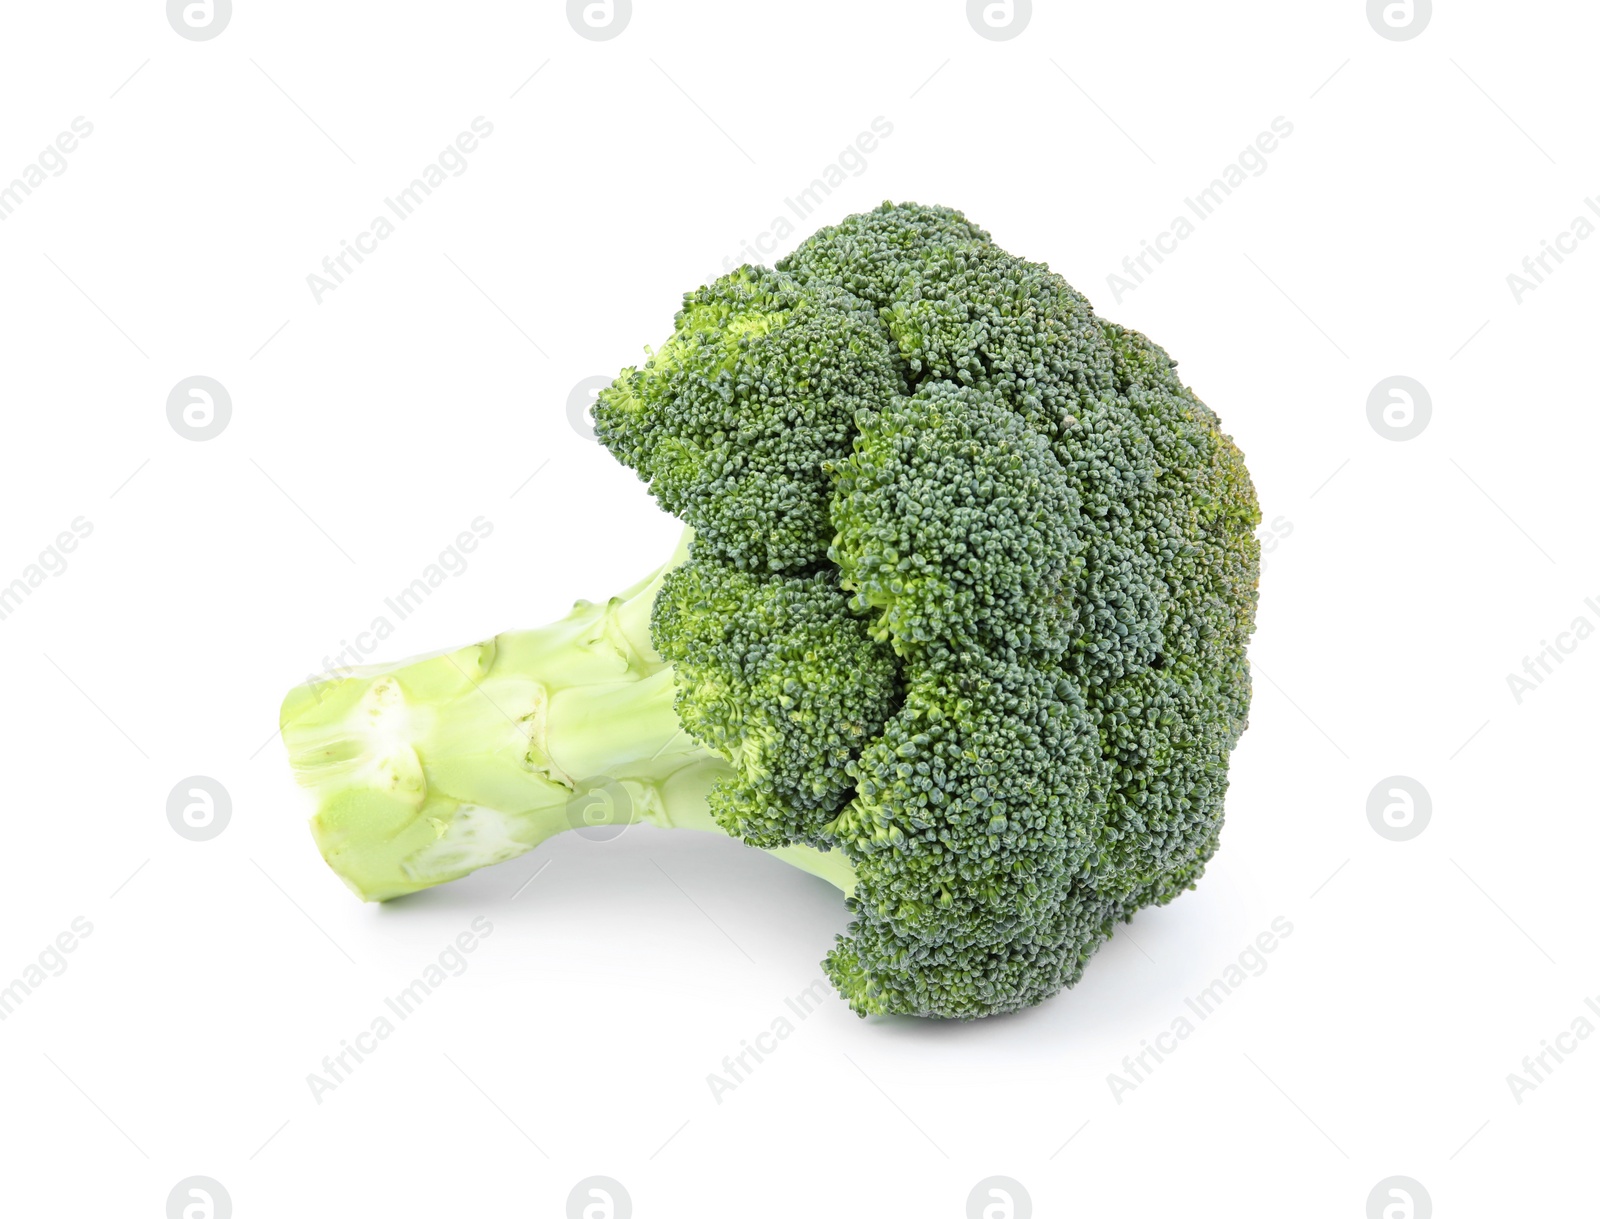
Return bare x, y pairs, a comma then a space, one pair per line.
427, 769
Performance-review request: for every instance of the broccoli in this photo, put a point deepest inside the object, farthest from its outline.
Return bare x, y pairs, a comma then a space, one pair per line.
958, 624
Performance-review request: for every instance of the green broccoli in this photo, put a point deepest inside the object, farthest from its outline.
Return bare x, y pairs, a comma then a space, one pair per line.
958, 624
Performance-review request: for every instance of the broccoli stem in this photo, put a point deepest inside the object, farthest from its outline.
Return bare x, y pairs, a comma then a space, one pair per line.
425, 770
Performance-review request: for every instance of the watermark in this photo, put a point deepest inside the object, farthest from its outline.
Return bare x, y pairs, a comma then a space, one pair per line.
738, 1068
1399, 1198
599, 1198
999, 1198
1399, 21
580, 404
199, 808
1537, 1068
1252, 162
199, 1198
1271, 535
999, 20
850, 163
451, 163
1251, 962
599, 20
52, 561
600, 809
1550, 656
198, 408
1398, 408
199, 20
52, 161
51, 962
1399, 808
449, 564
1536, 267
452, 962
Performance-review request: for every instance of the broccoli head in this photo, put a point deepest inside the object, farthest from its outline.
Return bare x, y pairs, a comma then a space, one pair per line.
959, 624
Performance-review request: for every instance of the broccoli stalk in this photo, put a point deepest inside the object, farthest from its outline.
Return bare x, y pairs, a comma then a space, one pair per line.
427, 769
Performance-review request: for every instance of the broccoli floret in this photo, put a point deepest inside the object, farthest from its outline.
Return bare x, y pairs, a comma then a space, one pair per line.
971, 832
956, 521
959, 625
777, 676
734, 419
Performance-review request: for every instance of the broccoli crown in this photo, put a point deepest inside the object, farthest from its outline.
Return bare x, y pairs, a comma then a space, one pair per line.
972, 583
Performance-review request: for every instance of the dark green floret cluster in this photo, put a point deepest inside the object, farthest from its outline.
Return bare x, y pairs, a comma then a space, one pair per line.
774, 678
972, 579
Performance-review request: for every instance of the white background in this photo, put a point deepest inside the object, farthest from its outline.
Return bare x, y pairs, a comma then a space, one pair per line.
372, 427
